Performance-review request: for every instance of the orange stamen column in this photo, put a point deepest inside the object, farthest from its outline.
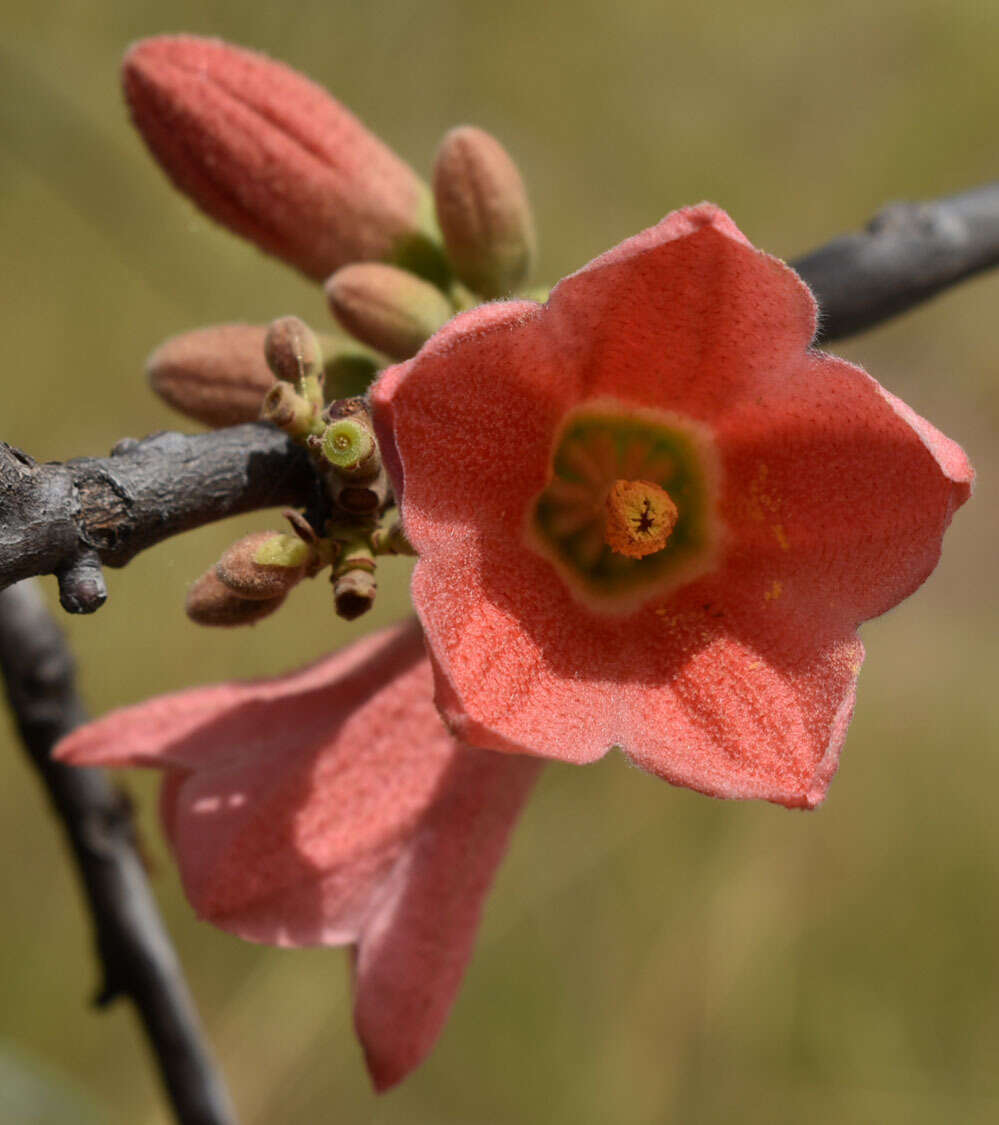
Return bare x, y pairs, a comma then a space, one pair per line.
640, 518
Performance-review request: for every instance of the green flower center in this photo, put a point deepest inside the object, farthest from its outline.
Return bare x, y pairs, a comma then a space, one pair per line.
629, 510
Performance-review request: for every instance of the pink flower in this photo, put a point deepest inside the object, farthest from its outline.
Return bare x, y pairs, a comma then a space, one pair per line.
332, 807
671, 379
272, 156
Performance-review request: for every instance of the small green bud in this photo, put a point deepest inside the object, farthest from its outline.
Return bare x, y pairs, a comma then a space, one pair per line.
349, 366
286, 551
348, 445
357, 487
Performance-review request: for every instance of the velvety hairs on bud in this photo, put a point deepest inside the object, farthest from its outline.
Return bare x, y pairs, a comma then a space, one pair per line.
275, 158
264, 565
211, 602
387, 308
292, 350
483, 212
216, 375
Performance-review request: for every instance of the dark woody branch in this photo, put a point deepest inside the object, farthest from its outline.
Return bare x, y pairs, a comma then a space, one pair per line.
70, 519
136, 956
906, 254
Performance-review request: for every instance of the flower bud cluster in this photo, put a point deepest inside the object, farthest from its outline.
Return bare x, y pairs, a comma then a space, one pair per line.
398, 258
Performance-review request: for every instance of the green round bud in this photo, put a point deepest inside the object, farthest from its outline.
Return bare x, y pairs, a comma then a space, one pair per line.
347, 444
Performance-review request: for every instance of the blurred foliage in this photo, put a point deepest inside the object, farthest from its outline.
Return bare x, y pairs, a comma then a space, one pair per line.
648, 955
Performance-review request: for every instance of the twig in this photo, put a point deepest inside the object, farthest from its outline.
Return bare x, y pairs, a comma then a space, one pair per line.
135, 952
70, 519
67, 519
908, 253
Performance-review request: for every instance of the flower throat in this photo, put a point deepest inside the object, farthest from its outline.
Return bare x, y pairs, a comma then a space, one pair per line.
627, 504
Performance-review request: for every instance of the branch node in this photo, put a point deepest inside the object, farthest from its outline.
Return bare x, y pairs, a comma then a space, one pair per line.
82, 588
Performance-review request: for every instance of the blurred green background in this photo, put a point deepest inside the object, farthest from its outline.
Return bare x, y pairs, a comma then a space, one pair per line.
647, 955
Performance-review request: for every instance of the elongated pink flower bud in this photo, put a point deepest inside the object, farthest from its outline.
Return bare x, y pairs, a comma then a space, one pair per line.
275, 158
215, 375
387, 308
483, 211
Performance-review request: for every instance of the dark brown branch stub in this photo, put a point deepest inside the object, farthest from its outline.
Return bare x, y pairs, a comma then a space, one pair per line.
137, 958
82, 588
69, 519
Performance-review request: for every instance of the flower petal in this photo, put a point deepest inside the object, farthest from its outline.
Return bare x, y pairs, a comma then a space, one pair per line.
837, 492
416, 943
751, 709
291, 846
333, 807
240, 719
715, 688
496, 430
687, 315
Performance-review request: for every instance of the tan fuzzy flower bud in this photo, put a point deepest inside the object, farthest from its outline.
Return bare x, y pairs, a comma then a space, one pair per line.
483, 212
387, 308
294, 355
264, 565
272, 156
211, 602
292, 350
215, 375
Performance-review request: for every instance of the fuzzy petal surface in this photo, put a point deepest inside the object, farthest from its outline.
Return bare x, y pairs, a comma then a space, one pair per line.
830, 499
332, 807
269, 154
